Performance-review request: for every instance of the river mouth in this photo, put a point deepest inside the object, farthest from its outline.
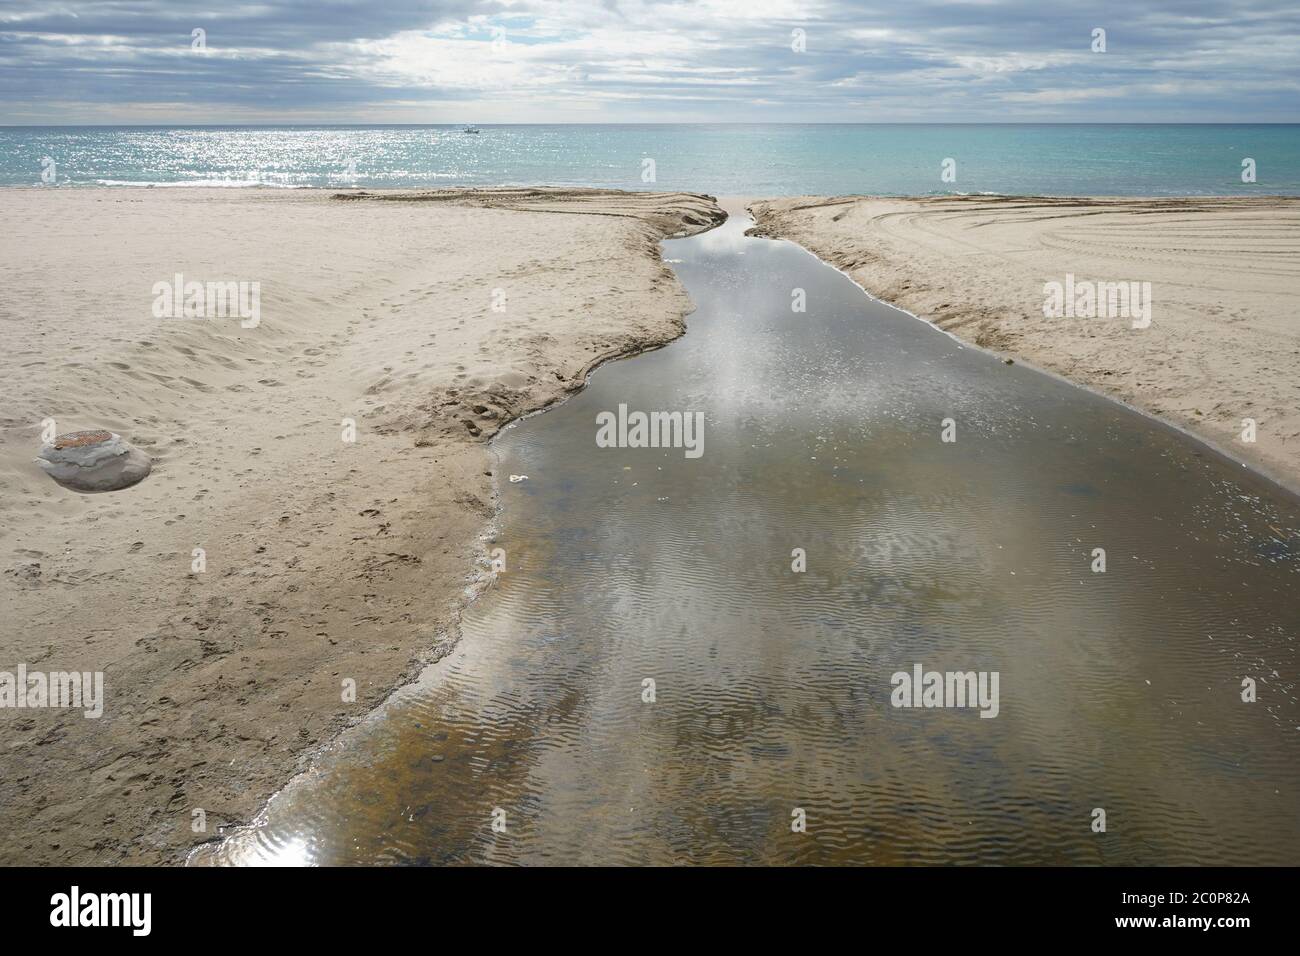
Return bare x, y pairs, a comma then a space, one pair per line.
768, 733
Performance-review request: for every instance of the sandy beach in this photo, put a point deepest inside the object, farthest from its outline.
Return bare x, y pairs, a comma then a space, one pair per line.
326, 465
1223, 338
428, 320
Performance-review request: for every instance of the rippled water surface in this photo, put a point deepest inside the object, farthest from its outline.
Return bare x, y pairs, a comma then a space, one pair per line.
1118, 690
764, 159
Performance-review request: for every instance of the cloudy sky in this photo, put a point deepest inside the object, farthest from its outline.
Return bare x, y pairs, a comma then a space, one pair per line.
403, 61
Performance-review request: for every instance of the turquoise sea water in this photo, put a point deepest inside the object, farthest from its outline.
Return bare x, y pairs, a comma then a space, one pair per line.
763, 160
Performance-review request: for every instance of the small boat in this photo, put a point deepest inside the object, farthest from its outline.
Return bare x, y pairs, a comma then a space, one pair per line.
471, 129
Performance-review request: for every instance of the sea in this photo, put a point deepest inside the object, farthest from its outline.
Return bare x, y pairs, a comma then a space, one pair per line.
720, 159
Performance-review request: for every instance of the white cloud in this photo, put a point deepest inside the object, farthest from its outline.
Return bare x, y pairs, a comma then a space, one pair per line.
720, 59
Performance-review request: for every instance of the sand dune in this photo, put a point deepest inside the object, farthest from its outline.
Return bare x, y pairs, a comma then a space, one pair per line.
429, 319
1224, 336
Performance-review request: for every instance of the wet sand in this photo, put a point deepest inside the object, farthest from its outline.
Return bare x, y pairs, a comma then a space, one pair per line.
324, 560
1224, 340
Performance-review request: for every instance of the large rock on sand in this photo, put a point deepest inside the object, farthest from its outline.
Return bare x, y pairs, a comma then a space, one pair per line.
93, 461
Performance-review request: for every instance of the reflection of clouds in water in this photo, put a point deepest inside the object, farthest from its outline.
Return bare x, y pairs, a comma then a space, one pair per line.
771, 685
